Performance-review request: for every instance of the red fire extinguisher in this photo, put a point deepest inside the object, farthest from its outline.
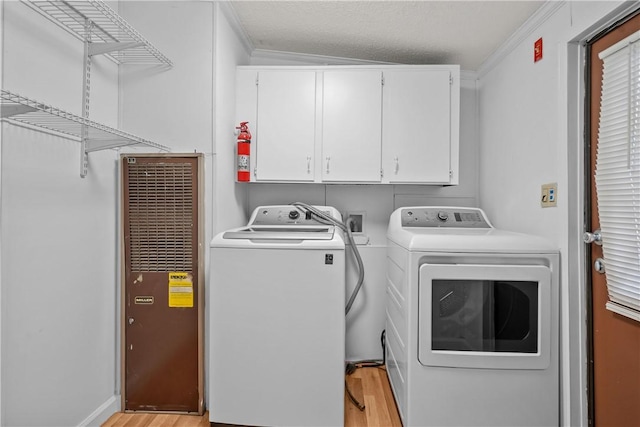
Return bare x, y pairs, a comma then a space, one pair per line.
244, 151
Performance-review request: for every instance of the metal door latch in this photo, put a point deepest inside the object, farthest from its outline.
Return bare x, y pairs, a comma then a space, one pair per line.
595, 237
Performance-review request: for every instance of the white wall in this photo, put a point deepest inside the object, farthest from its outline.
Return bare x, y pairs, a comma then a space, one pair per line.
171, 106
519, 146
367, 319
231, 50
58, 241
530, 127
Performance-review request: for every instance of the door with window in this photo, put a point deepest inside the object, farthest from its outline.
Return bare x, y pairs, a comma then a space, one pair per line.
615, 339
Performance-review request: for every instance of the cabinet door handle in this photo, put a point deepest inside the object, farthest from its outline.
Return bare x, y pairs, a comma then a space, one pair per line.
308, 164
397, 168
328, 162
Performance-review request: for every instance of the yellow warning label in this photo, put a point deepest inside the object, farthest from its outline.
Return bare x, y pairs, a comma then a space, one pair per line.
180, 289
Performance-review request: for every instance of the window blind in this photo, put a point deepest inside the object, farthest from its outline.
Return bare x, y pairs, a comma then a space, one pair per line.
617, 174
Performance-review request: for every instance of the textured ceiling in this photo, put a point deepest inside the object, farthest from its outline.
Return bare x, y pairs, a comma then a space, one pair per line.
409, 32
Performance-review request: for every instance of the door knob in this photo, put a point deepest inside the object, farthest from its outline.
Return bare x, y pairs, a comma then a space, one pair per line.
595, 237
598, 265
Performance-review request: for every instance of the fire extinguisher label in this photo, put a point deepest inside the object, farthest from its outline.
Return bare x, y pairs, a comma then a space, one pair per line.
243, 162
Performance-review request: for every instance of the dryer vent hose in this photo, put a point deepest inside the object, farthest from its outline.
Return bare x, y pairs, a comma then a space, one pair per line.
346, 227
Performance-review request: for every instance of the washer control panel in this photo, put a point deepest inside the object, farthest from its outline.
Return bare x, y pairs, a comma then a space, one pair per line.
285, 215
444, 217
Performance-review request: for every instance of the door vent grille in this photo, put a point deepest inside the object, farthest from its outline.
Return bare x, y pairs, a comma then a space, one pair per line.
160, 212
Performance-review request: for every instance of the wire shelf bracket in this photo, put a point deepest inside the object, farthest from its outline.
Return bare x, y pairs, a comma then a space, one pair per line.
111, 34
93, 136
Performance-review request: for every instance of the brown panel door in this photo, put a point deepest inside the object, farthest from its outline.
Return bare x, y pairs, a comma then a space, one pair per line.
162, 329
615, 381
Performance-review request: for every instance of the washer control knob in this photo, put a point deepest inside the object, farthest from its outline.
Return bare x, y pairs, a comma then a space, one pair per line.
294, 215
443, 216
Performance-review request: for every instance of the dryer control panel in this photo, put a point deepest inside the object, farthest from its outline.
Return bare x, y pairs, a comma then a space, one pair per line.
447, 217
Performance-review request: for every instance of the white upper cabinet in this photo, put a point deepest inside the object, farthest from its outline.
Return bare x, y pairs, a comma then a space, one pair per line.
416, 126
286, 126
393, 124
351, 125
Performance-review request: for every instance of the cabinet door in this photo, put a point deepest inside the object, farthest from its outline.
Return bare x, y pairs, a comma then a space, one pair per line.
285, 132
416, 128
351, 126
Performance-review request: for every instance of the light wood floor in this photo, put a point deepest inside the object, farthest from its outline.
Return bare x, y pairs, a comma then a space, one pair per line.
368, 385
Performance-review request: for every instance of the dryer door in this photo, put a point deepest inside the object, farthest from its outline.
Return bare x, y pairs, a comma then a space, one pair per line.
484, 316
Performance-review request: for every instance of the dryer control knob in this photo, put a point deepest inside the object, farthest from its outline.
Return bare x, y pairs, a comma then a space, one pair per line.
443, 216
294, 215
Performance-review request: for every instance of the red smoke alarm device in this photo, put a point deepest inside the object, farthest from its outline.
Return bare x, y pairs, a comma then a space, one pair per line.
537, 50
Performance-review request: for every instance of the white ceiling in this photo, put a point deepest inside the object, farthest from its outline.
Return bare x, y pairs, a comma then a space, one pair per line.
409, 32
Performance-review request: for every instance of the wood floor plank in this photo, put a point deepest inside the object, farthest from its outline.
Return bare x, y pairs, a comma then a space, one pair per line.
389, 400
353, 416
164, 420
378, 385
113, 420
372, 411
138, 419
193, 420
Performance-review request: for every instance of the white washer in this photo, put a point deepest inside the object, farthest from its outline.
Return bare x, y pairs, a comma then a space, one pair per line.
472, 321
277, 321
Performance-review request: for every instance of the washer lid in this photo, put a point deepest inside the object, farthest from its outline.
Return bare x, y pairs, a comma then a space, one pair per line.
275, 232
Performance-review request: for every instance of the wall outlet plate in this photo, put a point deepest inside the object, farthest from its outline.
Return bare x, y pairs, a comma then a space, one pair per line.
549, 196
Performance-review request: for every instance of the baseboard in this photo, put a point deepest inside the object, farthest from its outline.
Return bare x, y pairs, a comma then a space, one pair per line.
102, 413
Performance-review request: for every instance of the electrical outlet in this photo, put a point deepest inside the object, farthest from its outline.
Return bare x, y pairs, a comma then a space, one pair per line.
357, 226
549, 196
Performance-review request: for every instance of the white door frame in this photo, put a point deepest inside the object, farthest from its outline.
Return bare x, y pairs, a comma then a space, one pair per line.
1, 145
574, 346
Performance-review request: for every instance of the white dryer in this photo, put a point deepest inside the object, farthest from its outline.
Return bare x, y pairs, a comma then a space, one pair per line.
277, 321
472, 321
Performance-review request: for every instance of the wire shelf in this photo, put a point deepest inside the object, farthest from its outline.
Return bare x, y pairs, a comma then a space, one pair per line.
17, 108
110, 34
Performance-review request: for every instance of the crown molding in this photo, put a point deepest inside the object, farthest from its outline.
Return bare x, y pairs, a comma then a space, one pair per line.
234, 22
309, 59
533, 23
468, 75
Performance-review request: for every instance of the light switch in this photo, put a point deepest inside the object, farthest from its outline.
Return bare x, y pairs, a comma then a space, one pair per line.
549, 195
